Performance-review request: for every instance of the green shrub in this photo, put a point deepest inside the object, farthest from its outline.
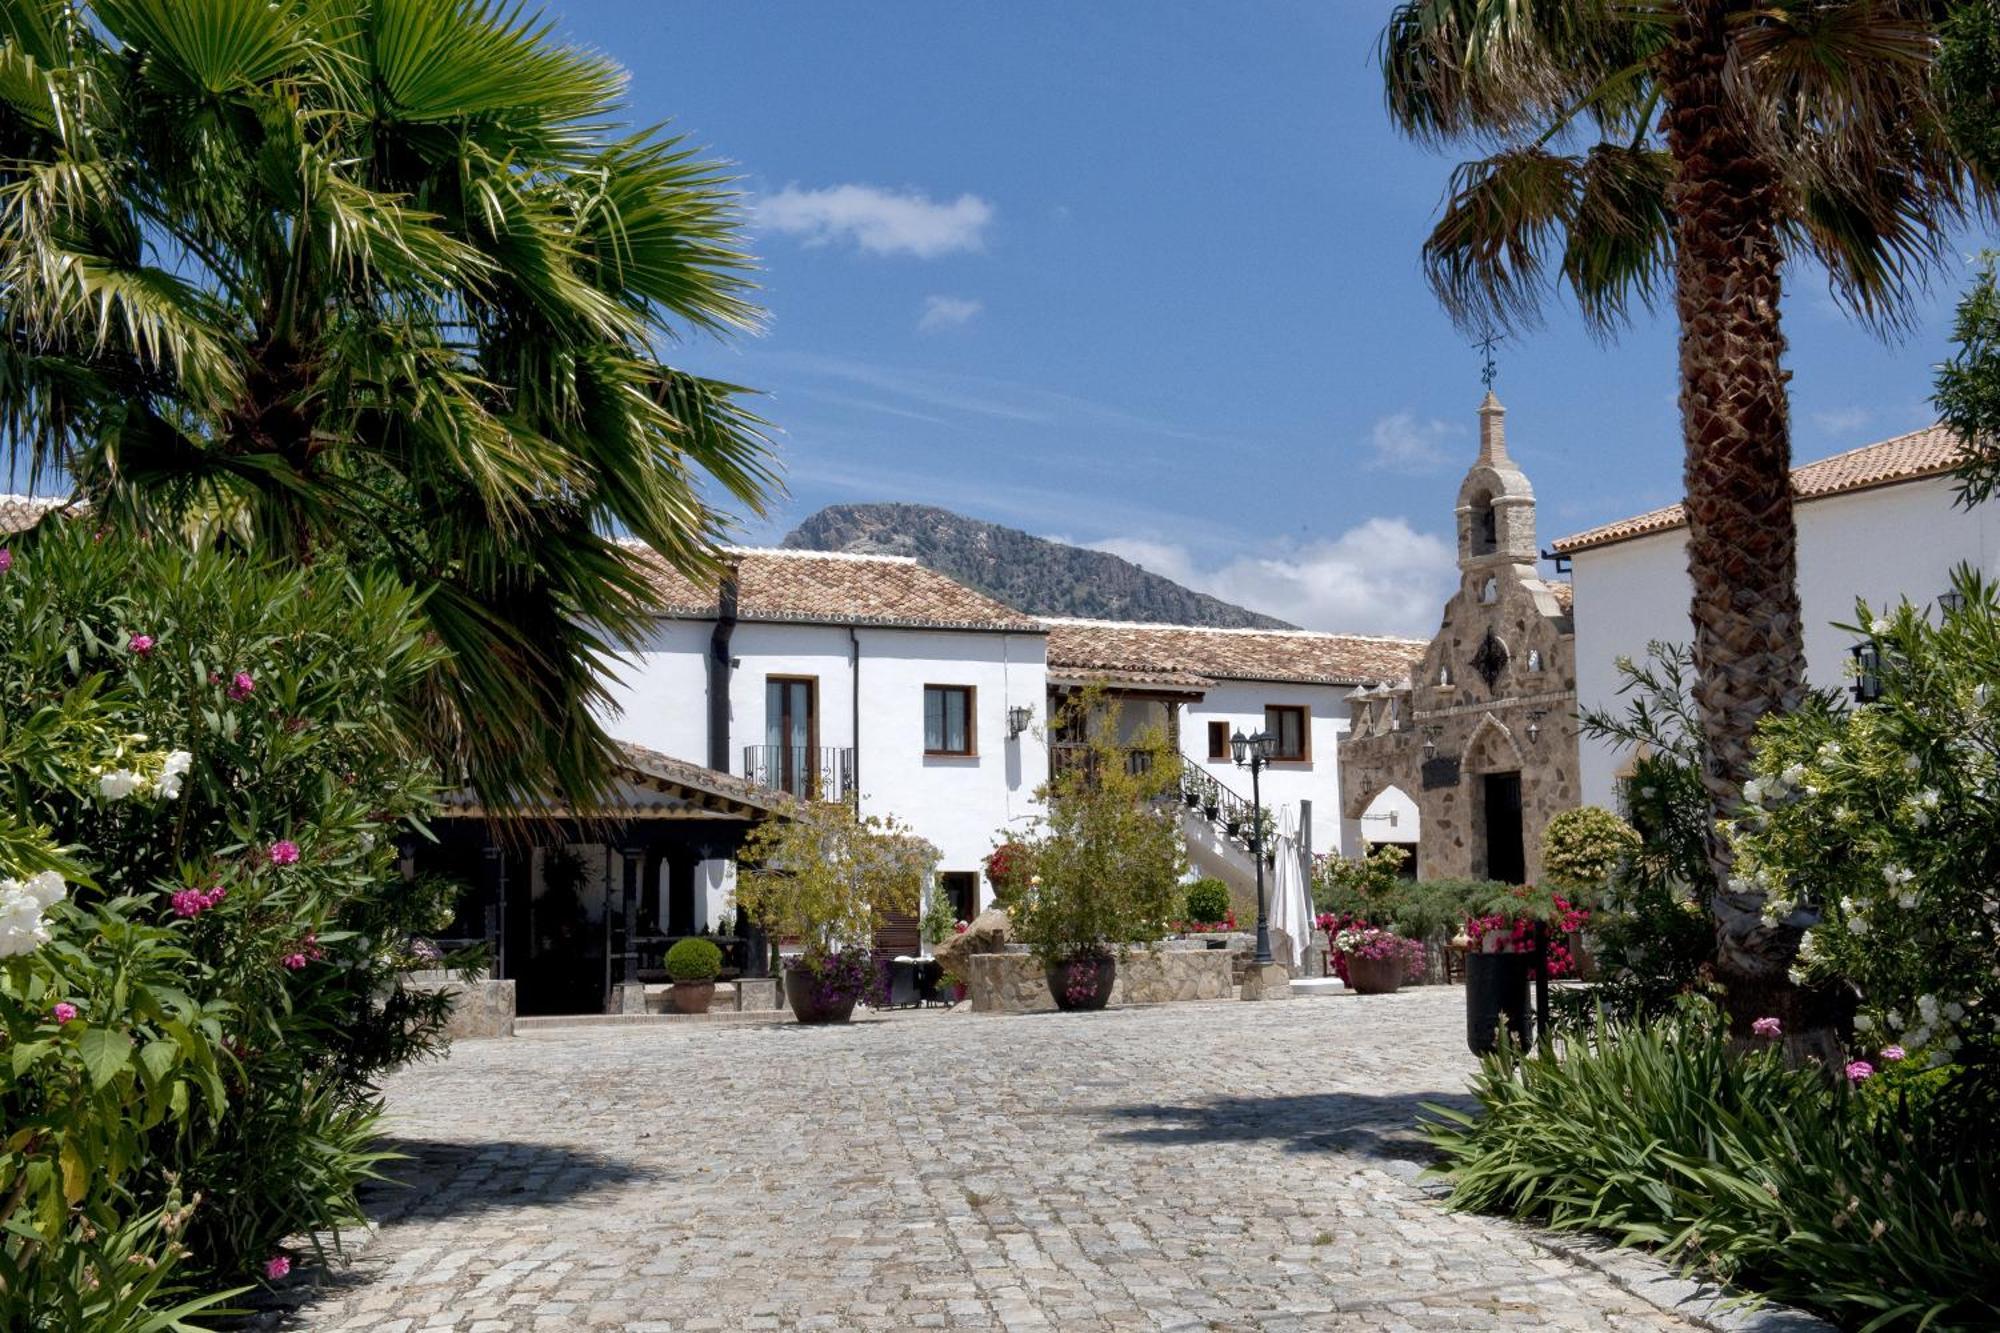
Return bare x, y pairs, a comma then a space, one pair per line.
206, 1009
1858, 1200
1582, 848
1207, 902
694, 960
830, 880
1107, 865
1874, 831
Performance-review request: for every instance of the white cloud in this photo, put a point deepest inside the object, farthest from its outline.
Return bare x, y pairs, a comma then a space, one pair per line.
883, 222
1401, 442
1381, 576
1842, 420
947, 312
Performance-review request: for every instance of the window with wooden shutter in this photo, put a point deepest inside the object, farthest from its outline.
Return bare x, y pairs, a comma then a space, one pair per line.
1288, 723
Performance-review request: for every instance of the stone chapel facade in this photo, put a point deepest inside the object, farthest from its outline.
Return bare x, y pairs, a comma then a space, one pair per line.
1483, 737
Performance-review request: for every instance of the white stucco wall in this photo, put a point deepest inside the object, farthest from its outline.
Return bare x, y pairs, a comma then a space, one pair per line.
1882, 545
961, 805
1240, 704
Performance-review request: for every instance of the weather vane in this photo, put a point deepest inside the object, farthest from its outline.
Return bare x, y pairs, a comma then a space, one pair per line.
1488, 367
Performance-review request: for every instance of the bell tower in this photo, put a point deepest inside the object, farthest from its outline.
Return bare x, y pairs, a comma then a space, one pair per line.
1496, 508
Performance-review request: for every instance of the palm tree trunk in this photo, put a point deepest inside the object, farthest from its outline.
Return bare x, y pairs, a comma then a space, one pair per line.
1742, 542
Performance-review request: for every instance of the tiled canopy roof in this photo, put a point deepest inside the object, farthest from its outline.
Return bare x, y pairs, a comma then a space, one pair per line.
22, 511
1088, 648
1921, 453
818, 587
660, 786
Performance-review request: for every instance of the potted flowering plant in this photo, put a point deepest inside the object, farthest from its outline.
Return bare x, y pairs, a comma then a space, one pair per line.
1500, 944
1377, 961
829, 881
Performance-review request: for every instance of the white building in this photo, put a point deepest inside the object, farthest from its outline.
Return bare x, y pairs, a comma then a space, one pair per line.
835, 675
872, 675
1879, 523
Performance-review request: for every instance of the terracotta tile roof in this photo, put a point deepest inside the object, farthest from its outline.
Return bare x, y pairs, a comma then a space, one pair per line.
819, 587
1565, 593
22, 511
1921, 453
1084, 648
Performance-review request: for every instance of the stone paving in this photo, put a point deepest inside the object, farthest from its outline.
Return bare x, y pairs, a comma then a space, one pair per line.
1192, 1166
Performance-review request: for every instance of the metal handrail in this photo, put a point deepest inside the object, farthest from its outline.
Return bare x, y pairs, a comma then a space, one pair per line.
1229, 812
810, 772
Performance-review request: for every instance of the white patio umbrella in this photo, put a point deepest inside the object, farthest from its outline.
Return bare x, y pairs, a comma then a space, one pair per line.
1291, 906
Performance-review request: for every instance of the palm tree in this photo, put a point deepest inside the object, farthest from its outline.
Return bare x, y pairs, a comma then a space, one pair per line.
1627, 141
386, 281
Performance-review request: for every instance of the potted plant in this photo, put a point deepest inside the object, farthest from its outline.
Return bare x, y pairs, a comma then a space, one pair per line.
692, 966
1108, 866
1377, 961
1501, 945
827, 880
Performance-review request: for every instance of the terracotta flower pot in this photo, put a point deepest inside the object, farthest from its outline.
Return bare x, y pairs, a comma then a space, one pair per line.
810, 1004
1375, 976
691, 997
1083, 982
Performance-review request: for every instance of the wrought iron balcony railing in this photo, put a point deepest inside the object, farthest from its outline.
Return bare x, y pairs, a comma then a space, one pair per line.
1235, 816
809, 772
1072, 756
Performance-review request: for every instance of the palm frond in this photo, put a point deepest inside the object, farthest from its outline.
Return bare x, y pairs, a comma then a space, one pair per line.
1505, 221
208, 47
442, 61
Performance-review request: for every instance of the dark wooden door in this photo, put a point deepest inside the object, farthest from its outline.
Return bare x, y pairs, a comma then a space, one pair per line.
1506, 860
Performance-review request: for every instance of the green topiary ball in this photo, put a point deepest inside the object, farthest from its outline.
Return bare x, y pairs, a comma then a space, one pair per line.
1582, 847
694, 960
1207, 902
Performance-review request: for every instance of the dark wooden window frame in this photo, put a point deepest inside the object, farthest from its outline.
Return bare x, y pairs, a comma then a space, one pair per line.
1218, 742
811, 756
1305, 754
971, 750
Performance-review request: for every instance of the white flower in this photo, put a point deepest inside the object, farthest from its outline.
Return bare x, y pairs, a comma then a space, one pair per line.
1797, 976
1882, 626
1753, 792
118, 784
168, 786
1955, 1012
1795, 774
1907, 901
1929, 798
21, 905
1857, 925
1911, 763
46, 889
1893, 875
178, 762
1927, 1005
1863, 1023
1808, 946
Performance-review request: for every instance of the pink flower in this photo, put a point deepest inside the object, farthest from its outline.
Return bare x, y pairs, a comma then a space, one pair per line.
1768, 1027
141, 644
63, 1012
1893, 1053
242, 687
284, 852
1858, 1070
277, 1266
294, 961
193, 902
6, 560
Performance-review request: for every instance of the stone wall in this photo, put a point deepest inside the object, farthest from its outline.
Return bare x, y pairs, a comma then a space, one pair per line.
479, 1009
1016, 983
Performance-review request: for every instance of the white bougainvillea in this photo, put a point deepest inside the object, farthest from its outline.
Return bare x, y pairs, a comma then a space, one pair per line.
22, 905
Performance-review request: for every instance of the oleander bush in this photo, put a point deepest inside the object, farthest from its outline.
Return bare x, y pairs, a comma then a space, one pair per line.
694, 960
203, 775
1583, 848
1860, 1196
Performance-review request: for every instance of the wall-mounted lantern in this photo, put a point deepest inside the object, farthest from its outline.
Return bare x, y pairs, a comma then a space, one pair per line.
1867, 672
1018, 718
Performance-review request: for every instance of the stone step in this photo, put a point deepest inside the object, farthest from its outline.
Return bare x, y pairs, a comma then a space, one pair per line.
1317, 987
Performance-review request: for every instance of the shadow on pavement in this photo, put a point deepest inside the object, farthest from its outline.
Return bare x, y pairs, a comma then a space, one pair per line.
452, 1179
1382, 1125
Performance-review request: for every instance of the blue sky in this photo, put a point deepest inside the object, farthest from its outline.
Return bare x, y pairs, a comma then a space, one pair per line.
1146, 277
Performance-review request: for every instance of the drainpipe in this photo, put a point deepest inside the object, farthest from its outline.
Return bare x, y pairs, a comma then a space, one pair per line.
854, 734
719, 664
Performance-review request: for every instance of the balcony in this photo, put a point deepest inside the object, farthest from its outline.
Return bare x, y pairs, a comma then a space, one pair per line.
1071, 756
809, 772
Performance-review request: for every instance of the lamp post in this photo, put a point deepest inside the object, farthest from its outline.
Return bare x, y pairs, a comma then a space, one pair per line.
1253, 752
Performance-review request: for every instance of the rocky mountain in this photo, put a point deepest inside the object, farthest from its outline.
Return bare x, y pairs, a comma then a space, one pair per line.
1032, 574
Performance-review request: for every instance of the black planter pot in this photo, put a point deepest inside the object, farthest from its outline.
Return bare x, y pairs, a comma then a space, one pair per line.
1083, 983
1496, 988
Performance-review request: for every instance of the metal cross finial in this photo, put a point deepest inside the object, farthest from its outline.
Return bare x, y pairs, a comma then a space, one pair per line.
1488, 368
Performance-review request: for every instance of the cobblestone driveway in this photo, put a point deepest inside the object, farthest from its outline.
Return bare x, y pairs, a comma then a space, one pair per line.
1212, 1166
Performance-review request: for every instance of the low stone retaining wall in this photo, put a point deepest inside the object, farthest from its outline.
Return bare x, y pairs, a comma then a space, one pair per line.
478, 1009
1015, 983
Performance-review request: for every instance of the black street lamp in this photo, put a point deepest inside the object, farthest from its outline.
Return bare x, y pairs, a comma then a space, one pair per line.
1253, 752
